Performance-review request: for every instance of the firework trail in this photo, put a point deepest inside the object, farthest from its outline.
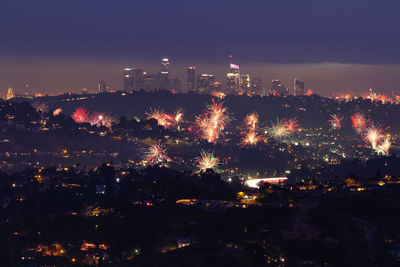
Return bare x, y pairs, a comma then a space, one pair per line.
207, 160
336, 121
81, 115
212, 122
156, 154
178, 116
358, 121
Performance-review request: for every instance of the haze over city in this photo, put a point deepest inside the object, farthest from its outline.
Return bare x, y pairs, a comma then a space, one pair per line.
334, 46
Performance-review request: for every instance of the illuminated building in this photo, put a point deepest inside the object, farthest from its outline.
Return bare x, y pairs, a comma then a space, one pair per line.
245, 83
256, 86
233, 79
217, 86
205, 83
278, 88
298, 87
163, 75
10, 93
101, 87
190, 79
139, 78
149, 81
129, 79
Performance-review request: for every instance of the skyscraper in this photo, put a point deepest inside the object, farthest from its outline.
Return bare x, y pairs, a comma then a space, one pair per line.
245, 83
278, 89
190, 79
233, 79
163, 75
177, 85
205, 83
298, 87
256, 86
101, 87
10, 93
129, 79
139, 78
149, 81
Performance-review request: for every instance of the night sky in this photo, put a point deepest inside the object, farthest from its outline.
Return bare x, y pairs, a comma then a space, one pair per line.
333, 45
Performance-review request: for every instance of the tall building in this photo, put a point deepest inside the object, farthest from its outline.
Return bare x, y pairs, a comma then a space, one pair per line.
233, 79
129, 79
139, 78
205, 83
298, 87
278, 88
245, 83
163, 75
256, 88
149, 81
190, 79
10, 93
101, 87
177, 85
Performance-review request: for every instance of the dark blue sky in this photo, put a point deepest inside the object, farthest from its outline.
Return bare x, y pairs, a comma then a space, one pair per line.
201, 32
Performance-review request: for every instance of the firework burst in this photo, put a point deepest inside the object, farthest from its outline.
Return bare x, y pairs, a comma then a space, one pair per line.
107, 121
358, 121
251, 138
291, 125
336, 121
156, 154
164, 119
100, 119
373, 135
279, 130
81, 115
251, 121
250, 134
207, 160
161, 117
212, 122
383, 148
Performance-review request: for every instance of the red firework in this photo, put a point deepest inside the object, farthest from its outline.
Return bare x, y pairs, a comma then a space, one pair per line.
358, 120
81, 115
156, 154
212, 122
292, 125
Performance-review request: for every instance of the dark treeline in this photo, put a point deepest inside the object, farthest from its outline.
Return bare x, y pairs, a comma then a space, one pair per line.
311, 111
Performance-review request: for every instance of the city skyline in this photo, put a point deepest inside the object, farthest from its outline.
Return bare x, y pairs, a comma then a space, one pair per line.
322, 78
336, 46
